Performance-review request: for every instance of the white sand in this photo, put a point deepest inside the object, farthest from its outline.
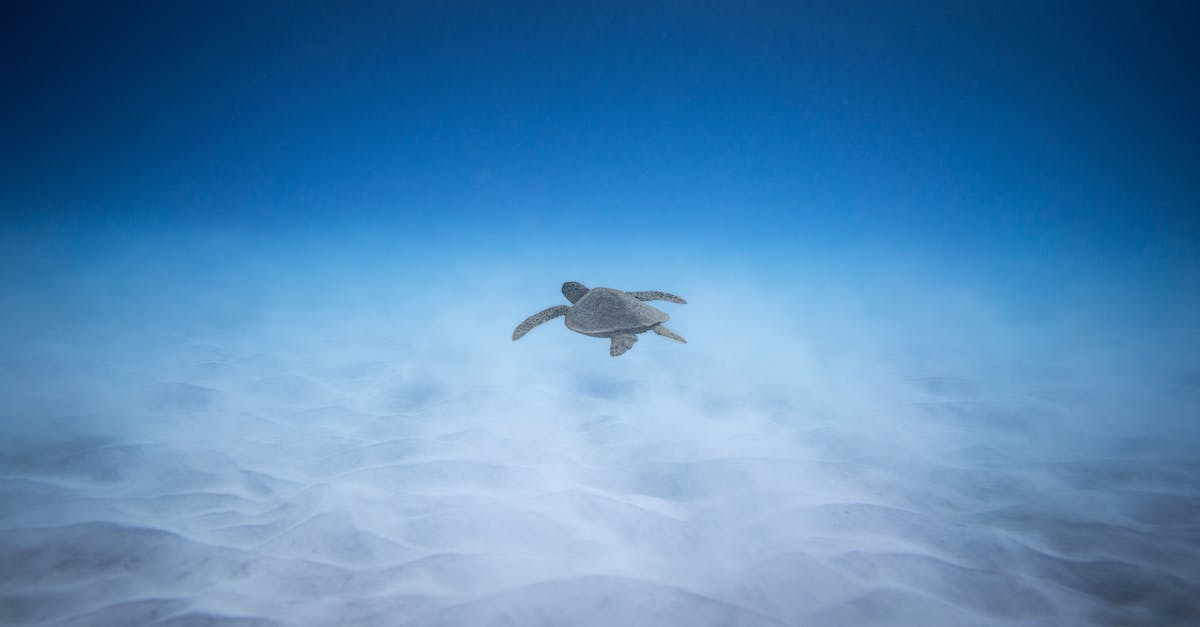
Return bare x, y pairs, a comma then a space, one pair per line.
323, 471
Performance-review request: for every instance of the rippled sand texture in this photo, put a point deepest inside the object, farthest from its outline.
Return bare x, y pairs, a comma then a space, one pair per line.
340, 481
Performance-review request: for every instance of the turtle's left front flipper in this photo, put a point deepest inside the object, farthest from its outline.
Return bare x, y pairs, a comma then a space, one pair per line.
538, 318
658, 296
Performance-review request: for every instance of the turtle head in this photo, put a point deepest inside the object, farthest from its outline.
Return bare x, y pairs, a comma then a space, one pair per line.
574, 290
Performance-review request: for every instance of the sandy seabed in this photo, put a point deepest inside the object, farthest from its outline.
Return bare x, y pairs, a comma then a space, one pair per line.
334, 483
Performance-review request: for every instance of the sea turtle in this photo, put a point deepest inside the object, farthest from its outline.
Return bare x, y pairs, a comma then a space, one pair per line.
605, 312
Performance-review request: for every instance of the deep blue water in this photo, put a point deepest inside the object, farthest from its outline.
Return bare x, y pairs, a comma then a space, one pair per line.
260, 268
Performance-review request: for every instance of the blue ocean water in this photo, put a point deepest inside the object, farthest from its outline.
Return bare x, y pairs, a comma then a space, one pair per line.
260, 269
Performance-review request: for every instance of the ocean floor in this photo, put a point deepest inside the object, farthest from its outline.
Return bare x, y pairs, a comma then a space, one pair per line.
330, 475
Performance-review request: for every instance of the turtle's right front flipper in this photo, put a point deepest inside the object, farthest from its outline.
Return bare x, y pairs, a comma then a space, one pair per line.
538, 318
658, 296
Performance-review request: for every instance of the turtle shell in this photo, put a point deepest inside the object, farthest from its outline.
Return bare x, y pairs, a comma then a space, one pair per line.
604, 311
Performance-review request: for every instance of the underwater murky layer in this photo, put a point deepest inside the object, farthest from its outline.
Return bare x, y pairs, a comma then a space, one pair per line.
320, 467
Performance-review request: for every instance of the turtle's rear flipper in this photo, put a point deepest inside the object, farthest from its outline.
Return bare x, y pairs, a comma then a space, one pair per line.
621, 343
665, 332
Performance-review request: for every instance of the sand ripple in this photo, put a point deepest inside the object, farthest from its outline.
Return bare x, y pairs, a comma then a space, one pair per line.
358, 494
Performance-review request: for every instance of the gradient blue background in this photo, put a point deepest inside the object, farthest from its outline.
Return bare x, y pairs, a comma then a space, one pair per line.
857, 198
1027, 146
1002, 125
